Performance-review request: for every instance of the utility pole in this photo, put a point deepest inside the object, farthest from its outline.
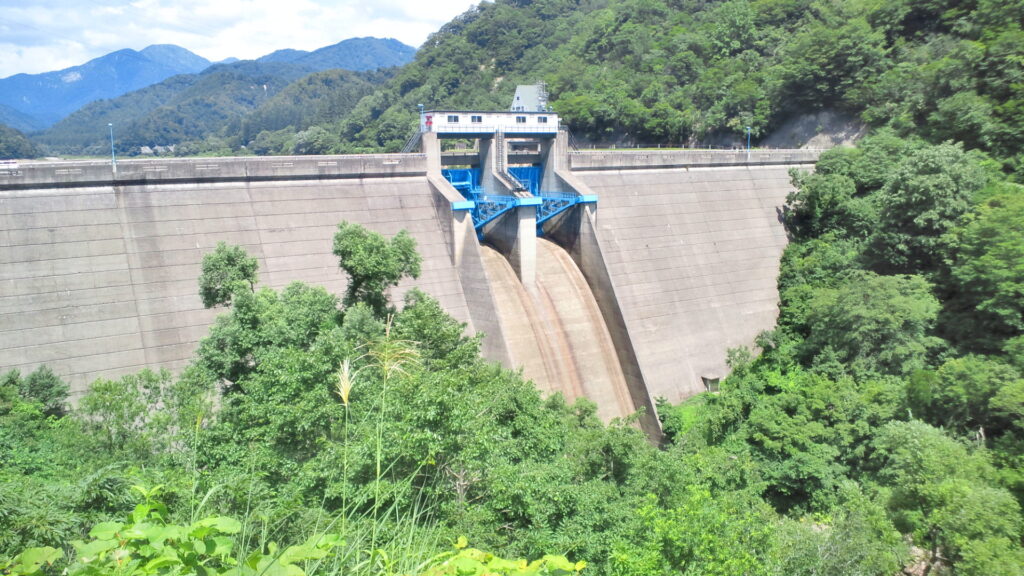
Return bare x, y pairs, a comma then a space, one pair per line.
748, 144
113, 158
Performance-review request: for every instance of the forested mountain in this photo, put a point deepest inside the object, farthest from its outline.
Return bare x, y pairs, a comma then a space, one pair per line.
14, 144
669, 72
352, 54
206, 110
46, 98
212, 105
17, 120
280, 125
682, 71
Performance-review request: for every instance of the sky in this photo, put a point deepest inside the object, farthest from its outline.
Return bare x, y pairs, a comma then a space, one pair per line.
44, 35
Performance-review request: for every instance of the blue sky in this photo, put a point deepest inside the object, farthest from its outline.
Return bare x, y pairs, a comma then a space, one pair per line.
39, 36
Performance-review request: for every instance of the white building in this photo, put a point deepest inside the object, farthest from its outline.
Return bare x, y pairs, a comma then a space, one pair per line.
471, 123
528, 115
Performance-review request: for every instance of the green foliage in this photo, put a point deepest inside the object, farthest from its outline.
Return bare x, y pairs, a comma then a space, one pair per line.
856, 538
122, 412
832, 57
32, 561
941, 491
923, 200
374, 263
310, 101
825, 203
472, 562
14, 144
988, 274
41, 386
700, 535
960, 394
226, 270
148, 544
871, 324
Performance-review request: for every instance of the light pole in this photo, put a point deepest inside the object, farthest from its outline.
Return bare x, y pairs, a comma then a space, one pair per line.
748, 144
113, 159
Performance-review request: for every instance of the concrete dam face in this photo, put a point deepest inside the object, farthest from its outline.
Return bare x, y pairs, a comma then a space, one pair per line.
657, 263
554, 330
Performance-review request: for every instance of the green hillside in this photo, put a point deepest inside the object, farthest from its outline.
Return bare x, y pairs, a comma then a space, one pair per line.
671, 72
14, 144
223, 108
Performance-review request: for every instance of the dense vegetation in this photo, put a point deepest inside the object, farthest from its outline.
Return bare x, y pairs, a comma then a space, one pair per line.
14, 144
678, 71
896, 365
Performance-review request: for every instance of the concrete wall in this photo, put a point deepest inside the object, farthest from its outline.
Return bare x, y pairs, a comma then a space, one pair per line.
98, 273
692, 255
101, 280
648, 159
33, 175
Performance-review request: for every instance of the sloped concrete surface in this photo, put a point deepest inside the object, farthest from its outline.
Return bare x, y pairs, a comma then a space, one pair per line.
102, 281
693, 255
555, 332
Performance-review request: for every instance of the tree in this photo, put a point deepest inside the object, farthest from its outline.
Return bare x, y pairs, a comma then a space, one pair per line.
257, 324
824, 203
922, 202
873, 324
988, 274
14, 144
701, 534
856, 537
42, 386
373, 264
226, 270
962, 391
125, 412
940, 491
314, 140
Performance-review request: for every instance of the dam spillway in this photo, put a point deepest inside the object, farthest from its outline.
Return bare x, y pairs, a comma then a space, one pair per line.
98, 271
555, 331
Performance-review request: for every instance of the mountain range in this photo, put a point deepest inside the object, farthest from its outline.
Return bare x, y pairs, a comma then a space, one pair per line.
36, 101
33, 102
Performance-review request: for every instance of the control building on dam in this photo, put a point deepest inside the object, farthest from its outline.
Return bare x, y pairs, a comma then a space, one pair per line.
621, 276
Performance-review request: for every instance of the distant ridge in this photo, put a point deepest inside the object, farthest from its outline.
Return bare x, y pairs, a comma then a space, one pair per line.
189, 107
43, 99
356, 54
18, 120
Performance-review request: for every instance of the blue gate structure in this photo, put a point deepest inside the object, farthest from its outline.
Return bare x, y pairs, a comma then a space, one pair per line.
487, 207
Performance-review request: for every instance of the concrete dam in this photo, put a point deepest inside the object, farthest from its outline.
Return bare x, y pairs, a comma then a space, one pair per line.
619, 276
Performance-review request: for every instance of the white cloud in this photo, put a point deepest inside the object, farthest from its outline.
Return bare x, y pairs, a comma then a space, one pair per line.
63, 33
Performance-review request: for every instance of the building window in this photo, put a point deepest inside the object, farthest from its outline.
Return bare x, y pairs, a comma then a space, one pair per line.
476, 119
542, 119
520, 119
710, 384
453, 119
